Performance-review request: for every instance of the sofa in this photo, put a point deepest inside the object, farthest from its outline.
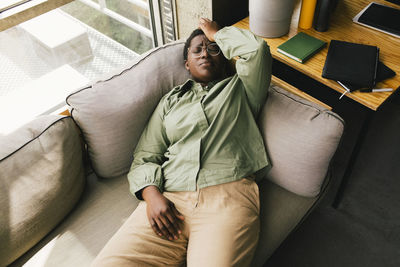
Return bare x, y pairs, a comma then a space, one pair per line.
63, 185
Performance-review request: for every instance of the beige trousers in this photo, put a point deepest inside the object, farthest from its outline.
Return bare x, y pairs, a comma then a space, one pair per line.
221, 228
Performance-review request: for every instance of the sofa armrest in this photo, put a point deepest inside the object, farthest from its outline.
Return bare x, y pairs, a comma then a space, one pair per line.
42, 177
301, 136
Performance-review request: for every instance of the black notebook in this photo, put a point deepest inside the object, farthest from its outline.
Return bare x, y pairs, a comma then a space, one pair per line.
383, 73
352, 63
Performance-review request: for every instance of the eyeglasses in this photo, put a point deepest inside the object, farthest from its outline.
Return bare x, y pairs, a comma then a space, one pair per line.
212, 49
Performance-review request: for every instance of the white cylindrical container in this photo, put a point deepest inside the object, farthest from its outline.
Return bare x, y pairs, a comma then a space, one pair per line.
270, 18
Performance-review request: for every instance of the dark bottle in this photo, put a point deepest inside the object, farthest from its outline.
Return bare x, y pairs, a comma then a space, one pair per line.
322, 14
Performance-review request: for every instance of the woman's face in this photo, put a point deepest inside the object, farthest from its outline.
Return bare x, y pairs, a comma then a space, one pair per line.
205, 68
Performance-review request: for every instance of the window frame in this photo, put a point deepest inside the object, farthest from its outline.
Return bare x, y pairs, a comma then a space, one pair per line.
163, 26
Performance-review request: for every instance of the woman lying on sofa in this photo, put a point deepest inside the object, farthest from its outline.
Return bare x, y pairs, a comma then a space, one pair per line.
197, 161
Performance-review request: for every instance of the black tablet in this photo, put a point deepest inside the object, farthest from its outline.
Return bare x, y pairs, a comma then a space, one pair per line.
380, 17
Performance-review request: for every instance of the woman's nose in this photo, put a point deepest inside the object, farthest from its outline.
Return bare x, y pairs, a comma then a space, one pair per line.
204, 52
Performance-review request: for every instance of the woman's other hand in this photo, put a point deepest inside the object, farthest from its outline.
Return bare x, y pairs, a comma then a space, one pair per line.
164, 218
209, 28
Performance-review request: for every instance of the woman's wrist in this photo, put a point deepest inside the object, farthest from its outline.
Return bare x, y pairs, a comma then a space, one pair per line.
150, 191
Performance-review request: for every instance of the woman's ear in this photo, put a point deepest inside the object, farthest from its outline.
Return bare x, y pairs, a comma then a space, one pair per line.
187, 65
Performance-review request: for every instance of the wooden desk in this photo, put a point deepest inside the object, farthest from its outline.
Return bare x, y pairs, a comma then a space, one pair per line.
343, 28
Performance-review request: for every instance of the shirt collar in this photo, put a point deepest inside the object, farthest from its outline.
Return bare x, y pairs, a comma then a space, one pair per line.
190, 83
187, 85
210, 85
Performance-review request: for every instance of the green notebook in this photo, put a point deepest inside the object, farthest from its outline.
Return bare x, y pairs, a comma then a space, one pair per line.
301, 47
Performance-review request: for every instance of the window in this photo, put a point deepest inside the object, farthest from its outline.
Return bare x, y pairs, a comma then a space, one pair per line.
43, 59
8, 4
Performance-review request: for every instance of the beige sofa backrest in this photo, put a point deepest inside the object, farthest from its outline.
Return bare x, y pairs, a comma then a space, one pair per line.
113, 113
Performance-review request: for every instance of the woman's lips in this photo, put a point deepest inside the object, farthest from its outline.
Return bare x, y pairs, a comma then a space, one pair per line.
206, 63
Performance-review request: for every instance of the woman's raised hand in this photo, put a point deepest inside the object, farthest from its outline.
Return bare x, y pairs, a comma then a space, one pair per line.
209, 28
164, 218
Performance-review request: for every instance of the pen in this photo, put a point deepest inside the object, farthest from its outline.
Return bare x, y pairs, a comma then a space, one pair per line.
382, 90
347, 90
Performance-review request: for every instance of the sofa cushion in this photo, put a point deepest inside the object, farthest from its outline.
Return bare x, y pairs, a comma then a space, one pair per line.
113, 113
301, 138
41, 179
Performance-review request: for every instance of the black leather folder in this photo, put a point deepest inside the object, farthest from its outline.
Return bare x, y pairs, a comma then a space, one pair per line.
352, 63
383, 73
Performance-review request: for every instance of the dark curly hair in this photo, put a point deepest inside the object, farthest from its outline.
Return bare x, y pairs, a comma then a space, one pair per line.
187, 44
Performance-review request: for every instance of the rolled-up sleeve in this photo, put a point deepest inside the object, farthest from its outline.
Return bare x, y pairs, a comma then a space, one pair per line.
149, 155
253, 62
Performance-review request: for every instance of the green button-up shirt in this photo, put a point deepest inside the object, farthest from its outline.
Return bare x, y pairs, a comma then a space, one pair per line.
198, 137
